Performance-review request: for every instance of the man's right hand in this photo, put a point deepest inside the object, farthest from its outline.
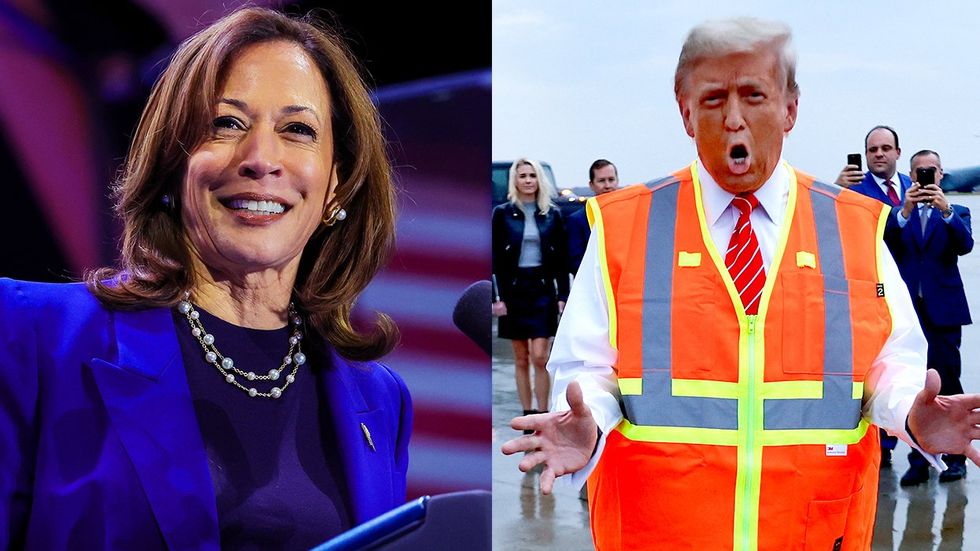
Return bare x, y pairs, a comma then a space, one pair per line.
913, 196
849, 175
562, 441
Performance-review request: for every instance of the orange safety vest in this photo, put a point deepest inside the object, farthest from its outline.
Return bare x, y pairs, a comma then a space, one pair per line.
740, 432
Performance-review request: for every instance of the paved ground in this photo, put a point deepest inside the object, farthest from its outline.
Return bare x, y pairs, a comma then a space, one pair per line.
927, 517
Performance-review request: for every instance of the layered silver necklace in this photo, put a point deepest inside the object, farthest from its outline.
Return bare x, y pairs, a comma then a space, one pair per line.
232, 373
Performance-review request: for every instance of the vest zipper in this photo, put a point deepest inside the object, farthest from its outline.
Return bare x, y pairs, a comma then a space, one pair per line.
750, 435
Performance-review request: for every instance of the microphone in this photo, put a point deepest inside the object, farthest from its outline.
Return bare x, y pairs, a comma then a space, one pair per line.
472, 314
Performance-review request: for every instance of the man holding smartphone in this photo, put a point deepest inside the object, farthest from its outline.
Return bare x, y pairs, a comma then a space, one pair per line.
882, 181
926, 236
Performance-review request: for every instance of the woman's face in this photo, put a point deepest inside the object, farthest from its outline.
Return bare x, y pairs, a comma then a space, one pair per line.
527, 180
255, 190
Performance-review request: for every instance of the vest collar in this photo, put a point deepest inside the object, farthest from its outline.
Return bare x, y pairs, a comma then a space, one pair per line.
773, 195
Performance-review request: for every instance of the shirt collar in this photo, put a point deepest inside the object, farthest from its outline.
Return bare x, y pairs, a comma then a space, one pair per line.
881, 181
772, 196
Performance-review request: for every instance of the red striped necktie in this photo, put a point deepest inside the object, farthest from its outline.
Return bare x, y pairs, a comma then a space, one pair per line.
744, 257
892, 196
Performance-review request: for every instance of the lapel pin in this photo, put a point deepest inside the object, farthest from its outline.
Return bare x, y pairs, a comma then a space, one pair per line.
367, 436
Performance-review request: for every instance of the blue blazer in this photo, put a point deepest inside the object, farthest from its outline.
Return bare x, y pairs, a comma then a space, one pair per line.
99, 443
930, 260
870, 188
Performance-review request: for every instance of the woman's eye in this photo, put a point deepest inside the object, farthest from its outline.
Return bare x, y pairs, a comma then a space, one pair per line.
301, 129
227, 123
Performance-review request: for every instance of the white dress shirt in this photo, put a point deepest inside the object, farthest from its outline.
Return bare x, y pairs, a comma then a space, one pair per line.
896, 180
582, 351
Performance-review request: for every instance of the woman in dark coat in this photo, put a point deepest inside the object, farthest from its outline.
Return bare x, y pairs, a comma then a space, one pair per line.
530, 270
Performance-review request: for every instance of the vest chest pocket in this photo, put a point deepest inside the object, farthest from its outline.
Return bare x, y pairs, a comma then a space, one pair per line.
800, 314
830, 325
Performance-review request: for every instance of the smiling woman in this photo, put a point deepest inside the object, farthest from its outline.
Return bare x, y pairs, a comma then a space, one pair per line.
256, 204
257, 186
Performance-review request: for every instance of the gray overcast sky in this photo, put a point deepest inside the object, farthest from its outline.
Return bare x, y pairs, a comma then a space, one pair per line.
574, 81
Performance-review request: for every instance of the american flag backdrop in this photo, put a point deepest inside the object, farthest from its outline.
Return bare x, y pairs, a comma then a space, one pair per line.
439, 131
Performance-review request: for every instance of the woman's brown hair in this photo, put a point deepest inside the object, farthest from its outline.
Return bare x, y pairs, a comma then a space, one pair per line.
337, 263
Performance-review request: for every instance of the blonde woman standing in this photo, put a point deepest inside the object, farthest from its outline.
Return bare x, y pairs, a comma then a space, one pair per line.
530, 267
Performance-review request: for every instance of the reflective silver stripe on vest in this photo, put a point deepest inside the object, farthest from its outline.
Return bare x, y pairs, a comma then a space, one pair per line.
836, 410
656, 406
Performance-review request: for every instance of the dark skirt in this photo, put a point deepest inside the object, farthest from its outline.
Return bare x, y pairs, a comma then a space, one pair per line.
532, 308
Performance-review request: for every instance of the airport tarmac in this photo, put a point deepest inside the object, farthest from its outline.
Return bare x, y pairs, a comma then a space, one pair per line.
932, 516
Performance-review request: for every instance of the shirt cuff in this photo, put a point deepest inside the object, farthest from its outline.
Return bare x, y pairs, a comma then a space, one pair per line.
906, 436
902, 220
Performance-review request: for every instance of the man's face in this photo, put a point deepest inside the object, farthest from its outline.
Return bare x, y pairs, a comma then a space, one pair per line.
737, 109
927, 160
882, 154
604, 180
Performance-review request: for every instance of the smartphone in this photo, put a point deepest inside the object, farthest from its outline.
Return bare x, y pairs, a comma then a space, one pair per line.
854, 159
925, 176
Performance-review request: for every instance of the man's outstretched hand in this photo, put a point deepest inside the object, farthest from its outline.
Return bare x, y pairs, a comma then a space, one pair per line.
945, 424
562, 441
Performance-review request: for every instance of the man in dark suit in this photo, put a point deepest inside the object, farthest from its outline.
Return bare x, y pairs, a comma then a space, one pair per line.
926, 236
603, 178
884, 183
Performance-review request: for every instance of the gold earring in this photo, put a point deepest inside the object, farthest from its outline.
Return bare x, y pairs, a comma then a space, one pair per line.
336, 215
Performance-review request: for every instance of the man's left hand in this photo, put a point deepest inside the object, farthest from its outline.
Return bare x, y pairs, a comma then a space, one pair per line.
945, 424
934, 196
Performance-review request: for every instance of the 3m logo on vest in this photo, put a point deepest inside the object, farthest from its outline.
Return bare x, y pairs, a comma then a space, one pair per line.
836, 450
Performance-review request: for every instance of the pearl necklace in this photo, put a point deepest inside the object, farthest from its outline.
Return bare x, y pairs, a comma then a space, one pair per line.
226, 366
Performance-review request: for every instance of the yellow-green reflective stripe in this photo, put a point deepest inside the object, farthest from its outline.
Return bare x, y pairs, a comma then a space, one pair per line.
715, 255
594, 213
631, 386
704, 389
804, 389
879, 243
752, 363
721, 437
750, 452
678, 435
814, 436
792, 389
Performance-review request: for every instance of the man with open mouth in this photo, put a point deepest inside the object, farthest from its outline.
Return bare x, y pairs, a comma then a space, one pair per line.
734, 332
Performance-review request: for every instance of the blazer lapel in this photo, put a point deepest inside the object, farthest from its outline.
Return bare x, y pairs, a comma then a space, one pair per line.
146, 394
361, 440
882, 196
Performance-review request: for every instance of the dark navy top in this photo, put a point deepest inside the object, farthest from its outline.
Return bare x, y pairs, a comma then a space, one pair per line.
278, 482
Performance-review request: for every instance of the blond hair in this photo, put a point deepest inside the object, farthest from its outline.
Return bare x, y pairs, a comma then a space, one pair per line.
546, 189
